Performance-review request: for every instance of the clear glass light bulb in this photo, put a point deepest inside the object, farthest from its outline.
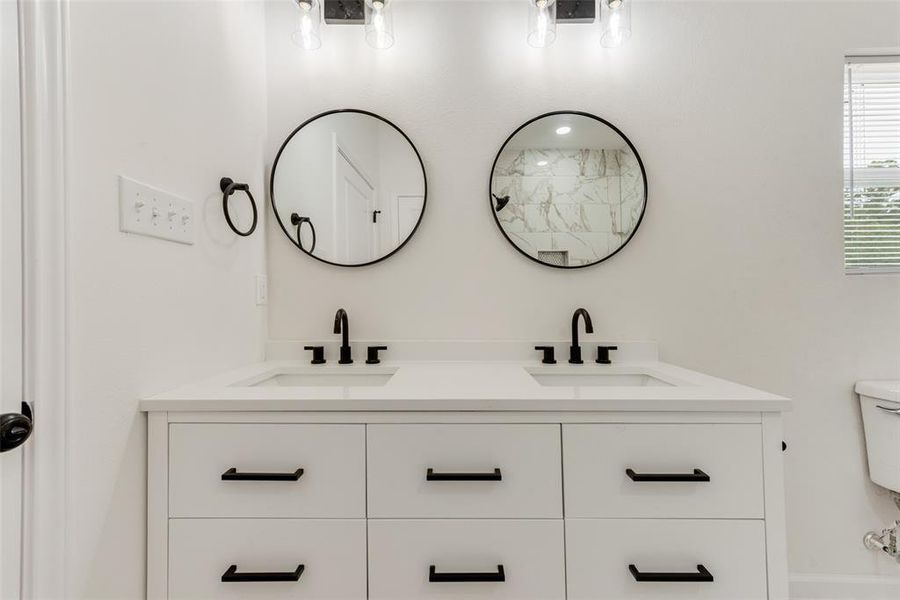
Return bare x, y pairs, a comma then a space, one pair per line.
307, 34
615, 22
541, 23
379, 24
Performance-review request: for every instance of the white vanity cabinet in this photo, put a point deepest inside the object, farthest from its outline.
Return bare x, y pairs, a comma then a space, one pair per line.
332, 553
462, 471
696, 558
665, 511
314, 471
668, 471
498, 504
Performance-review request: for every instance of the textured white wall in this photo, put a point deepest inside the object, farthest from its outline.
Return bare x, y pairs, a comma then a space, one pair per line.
736, 110
171, 94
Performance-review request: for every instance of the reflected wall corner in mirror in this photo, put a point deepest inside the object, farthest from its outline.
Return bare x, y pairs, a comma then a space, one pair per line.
348, 188
568, 189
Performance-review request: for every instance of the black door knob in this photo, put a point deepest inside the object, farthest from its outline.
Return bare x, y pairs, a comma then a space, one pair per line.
15, 428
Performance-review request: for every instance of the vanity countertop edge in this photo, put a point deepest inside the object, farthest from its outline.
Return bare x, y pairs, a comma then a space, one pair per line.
453, 386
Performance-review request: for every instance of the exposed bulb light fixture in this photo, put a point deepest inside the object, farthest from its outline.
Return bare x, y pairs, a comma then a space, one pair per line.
565, 129
542, 163
615, 22
379, 24
307, 34
541, 23
543, 15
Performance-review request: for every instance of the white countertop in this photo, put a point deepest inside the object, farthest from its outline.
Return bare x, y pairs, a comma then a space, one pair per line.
444, 385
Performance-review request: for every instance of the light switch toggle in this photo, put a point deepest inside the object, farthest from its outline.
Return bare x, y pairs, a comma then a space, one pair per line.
146, 210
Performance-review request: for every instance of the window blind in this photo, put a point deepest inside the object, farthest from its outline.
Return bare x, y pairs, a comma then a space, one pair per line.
872, 164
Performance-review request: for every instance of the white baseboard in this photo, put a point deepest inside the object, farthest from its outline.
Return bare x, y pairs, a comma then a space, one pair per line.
844, 587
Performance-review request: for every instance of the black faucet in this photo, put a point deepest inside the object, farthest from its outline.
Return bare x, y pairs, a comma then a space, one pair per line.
575, 349
342, 326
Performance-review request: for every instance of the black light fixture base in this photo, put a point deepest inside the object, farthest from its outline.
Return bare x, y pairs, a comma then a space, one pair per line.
351, 12
344, 12
572, 11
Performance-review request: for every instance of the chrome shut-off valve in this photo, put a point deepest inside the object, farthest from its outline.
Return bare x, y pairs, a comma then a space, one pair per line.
888, 541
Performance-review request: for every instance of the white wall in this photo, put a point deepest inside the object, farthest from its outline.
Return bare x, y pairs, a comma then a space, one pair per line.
736, 110
171, 94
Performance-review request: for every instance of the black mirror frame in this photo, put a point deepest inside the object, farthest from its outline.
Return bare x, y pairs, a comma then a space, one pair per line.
275, 167
582, 114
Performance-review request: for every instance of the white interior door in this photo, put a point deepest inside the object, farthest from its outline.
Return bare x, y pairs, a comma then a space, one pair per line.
409, 209
11, 460
354, 201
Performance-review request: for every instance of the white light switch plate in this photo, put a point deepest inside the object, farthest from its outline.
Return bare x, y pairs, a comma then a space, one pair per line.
262, 290
148, 211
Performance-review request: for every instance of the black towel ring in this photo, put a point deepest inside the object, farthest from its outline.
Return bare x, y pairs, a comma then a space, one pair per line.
228, 187
299, 221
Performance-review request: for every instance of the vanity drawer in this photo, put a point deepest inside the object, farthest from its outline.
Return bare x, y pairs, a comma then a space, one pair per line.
662, 471
260, 464
468, 557
599, 553
332, 552
459, 471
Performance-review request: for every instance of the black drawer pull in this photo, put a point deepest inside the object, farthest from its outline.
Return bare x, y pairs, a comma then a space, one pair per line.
697, 475
493, 476
435, 577
231, 575
233, 475
701, 576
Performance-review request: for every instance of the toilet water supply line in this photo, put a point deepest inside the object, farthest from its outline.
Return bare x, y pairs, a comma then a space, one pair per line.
888, 541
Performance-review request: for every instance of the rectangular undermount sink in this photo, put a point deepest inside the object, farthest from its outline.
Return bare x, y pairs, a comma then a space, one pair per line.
611, 379
324, 378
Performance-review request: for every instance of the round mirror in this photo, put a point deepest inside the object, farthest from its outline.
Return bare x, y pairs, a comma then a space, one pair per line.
348, 188
568, 189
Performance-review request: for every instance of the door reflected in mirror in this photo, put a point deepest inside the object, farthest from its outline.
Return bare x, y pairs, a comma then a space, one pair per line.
568, 189
348, 188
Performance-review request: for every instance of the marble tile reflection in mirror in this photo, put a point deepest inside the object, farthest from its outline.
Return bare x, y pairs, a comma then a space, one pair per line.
568, 190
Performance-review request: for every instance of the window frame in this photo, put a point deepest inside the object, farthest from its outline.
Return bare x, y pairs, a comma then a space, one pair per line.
848, 169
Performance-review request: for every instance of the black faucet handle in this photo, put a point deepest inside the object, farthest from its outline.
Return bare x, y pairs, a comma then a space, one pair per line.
318, 357
549, 354
372, 354
603, 354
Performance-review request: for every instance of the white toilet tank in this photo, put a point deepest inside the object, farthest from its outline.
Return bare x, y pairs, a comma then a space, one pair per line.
880, 402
